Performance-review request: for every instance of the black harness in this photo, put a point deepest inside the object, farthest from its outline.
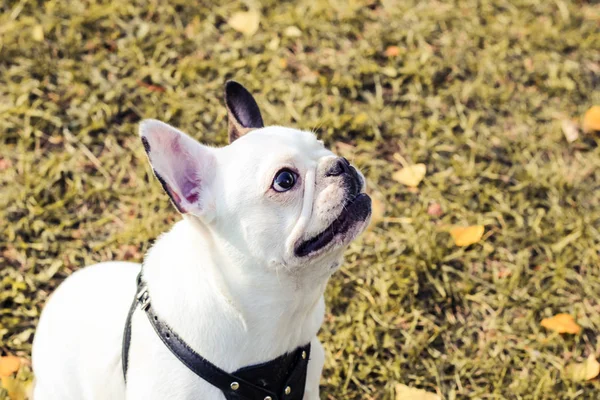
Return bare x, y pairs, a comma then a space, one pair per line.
282, 378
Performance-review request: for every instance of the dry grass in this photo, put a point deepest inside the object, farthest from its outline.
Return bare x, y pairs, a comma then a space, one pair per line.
477, 92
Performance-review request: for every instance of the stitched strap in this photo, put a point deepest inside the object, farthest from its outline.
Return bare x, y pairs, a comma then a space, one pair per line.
297, 377
292, 367
202, 367
127, 332
285, 374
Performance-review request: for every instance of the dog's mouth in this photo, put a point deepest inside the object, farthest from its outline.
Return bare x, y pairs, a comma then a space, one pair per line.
353, 214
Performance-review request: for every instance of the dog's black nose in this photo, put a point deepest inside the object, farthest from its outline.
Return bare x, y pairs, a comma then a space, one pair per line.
339, 167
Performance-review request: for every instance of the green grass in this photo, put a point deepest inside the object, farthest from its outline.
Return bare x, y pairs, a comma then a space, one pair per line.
477, 93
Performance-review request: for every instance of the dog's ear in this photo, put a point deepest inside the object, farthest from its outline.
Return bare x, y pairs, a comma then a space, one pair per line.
184, 167
244, 114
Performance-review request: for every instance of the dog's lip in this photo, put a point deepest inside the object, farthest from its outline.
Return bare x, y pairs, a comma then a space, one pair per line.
355, 211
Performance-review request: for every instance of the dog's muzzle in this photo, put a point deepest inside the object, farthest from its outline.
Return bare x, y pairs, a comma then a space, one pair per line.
353, 182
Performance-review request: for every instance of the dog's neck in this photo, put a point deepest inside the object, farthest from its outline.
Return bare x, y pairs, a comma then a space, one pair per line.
215, 299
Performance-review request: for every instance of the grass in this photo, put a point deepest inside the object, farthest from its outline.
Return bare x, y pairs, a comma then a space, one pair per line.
476, 90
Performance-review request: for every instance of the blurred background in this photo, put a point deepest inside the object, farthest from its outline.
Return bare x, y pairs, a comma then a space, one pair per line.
475, 123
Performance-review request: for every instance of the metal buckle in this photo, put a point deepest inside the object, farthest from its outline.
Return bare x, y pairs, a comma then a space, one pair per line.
143, 298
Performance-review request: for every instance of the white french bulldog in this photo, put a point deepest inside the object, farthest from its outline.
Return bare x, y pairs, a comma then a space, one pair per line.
240, 278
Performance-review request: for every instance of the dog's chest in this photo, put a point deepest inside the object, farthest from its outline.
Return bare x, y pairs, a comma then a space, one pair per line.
181, 370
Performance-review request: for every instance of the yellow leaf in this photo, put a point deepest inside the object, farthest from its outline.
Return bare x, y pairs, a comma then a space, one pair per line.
191, 29
585, 371
591, 119
9, 365
570, 130
292, 31
143, 30
410, 175
245, 22
377, 209
561, 323
17, 389
465, 236
37, 33
404, 392
361, 118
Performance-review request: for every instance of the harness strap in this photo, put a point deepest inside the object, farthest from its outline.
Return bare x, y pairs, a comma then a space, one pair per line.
127, 331
233, 386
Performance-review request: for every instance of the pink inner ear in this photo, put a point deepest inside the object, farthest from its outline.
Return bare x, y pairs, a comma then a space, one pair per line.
179, 163
175, 145
190, 189
189, 183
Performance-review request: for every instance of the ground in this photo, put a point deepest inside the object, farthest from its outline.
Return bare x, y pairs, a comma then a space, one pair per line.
477, 90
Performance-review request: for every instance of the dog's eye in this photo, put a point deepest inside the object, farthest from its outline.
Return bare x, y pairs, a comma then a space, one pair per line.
284, 180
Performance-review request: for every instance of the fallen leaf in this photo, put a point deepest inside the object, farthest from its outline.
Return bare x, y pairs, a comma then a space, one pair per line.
561, 323
404, 392
292, 31
191, 29
504, 273
9, 365
585, 371
410, 175
143, 30
5, 163
361, 118
377, 210
37, 33
55, 139
245, 22
435, 210
392, 51
152, 88
16, 388
591, 119
570, 130
465, 236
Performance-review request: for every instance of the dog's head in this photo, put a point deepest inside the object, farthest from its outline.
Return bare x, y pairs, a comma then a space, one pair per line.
275, 194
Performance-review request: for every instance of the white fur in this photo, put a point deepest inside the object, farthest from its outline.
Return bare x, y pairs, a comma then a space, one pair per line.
225, 277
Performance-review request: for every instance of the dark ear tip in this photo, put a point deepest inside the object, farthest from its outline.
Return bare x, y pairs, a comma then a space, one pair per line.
231, 83
232, 88
241, 106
